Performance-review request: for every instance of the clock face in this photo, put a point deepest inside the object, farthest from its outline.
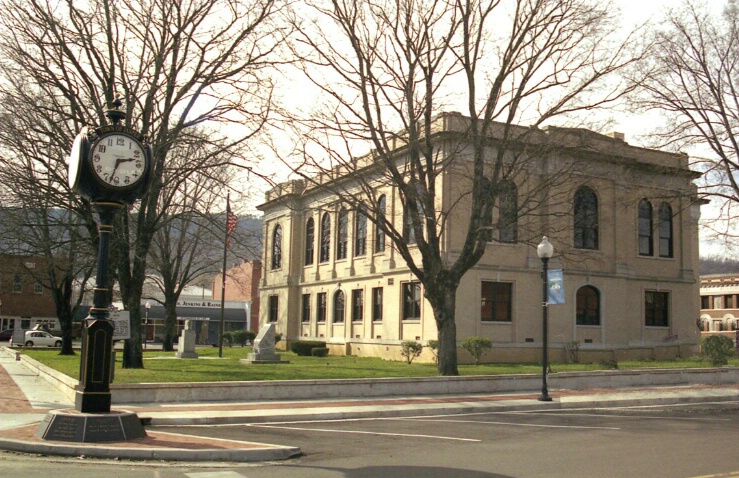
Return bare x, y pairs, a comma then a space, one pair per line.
118, 160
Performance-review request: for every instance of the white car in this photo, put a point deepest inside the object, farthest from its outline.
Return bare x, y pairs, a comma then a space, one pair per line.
38, 338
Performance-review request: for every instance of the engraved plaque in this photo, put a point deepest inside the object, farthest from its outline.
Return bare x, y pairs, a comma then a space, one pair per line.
104, 429
65, 428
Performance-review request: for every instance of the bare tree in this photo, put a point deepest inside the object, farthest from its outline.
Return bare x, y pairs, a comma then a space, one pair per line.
40, 217
183, 247
176, 65
693, 77
388, 68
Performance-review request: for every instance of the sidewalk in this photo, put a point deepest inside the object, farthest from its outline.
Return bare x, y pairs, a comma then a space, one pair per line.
25, 399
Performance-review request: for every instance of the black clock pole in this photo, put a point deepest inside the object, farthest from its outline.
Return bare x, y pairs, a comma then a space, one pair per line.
96, 363
111, 167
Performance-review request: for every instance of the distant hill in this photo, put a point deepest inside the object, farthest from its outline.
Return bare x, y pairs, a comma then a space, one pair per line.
718, 265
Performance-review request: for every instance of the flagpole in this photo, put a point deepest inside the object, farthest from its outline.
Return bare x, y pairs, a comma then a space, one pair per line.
223, 277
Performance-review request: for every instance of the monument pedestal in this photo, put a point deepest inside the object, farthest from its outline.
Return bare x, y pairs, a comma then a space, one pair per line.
75, 426
264, 348
263, 358
186, 344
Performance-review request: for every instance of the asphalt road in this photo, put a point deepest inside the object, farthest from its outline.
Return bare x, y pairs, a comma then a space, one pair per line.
671, 442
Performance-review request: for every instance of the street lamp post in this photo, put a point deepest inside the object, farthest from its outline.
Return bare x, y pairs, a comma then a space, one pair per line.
147, 306
545, 250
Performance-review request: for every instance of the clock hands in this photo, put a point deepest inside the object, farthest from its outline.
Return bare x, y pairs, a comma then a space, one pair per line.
118, 162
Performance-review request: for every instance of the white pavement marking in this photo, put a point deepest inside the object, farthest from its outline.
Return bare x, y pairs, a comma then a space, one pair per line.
608, 415
361, 432
535, 425
225, 440
215, 474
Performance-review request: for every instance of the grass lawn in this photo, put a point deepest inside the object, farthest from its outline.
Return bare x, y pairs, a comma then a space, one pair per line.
163, 367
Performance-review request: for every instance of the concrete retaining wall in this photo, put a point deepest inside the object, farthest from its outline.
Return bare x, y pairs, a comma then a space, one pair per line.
388, 387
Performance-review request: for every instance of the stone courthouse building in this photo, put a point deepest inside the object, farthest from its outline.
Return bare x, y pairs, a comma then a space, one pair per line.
623, 221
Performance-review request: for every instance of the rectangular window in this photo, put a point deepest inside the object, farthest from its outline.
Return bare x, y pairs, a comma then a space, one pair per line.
17, 284
38, 288
305, 317
360, 234
342, 235
645, 229
273, 308
357, 305
717, 302
321, 307
411, 301
310, 241
656, 309
496, 301
728, 302
377, 304
705, 302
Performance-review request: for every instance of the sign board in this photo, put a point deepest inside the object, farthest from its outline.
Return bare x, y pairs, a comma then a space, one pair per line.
121, 324
556, 287
19, 337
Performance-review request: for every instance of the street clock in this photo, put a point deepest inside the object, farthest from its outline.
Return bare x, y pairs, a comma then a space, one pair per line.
110, 163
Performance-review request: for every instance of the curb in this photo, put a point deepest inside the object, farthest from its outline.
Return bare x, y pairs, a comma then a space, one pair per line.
462, 407
269, 453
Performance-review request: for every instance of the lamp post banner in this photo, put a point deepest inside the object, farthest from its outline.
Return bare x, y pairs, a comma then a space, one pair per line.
556, 287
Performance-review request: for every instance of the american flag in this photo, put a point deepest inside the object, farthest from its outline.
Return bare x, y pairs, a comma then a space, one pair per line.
231, 222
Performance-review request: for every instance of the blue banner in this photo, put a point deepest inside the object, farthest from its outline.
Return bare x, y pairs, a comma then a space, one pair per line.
556, 286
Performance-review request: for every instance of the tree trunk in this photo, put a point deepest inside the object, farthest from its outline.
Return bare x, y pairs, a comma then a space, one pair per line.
62, 294
443, 301
133, 352
170, 325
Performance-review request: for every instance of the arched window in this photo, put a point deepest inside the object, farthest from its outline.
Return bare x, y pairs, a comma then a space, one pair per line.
310, 241
646, 247
665, 230
360, 233
277, 247
342, 234
339, 307
325, 252
508, 213
379, 233
588, 306
586, 219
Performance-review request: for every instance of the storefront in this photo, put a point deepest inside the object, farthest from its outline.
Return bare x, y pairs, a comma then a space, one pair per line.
205, 315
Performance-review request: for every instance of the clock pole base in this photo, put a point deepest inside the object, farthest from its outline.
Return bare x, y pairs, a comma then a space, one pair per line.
74, 426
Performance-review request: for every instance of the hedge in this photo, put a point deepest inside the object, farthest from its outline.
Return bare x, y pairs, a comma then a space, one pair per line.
303, 347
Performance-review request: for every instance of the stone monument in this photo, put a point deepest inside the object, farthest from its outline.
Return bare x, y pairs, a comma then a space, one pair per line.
186, 344
264, 347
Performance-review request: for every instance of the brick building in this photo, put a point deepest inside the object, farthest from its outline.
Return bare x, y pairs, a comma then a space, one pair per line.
719, 306
24, 301
242, 284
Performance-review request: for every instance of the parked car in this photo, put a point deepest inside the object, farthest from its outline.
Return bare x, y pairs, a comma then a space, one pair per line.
6, 334
38, 338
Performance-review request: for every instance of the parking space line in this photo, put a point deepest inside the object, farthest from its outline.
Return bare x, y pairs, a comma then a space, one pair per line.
360, 432
731, 474
607, 415
535, 425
